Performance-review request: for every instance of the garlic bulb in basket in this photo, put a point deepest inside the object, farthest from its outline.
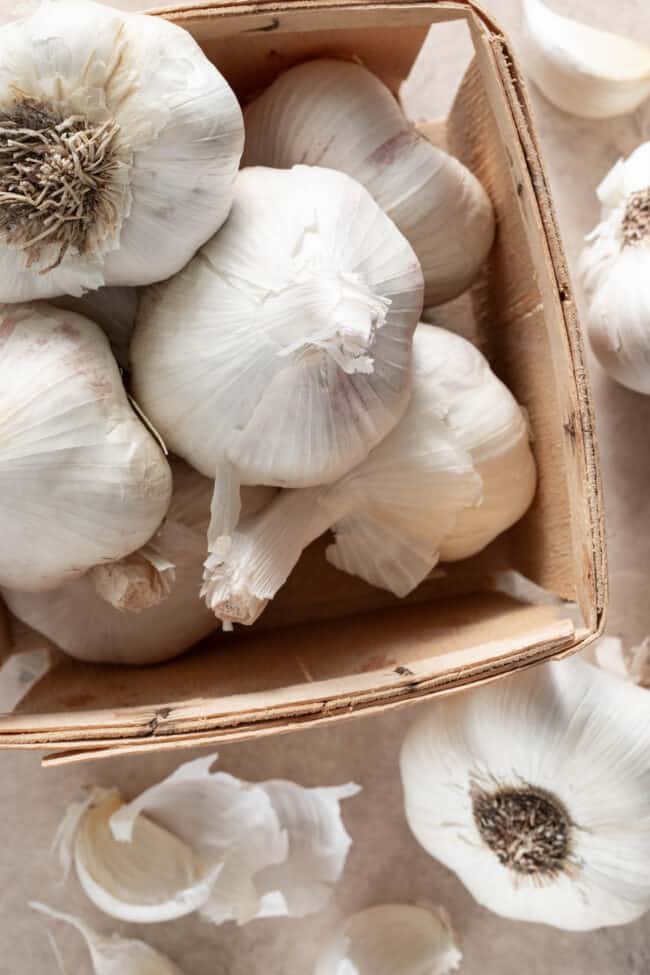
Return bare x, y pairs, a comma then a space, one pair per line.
338, 114
615, 267
396, 513
284, 347
82, 480
115, 132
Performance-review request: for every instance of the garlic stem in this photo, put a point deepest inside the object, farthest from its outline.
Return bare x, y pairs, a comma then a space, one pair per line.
137, 582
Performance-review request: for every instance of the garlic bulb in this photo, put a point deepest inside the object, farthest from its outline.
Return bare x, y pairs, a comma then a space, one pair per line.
615, 268
115, 131
535, 790
391, 939
202, 840
284, 347
82, 479
146, 607
337, 114
455, 473
580, 70
113, 309
111, 954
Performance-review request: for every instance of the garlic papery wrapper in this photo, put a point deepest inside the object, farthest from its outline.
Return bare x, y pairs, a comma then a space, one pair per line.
581, 70
535, 790
615, 268
206, 840
115, 131
391, 939
284, 347
112, 954
455, 473
113, 309
338, 114
82, 481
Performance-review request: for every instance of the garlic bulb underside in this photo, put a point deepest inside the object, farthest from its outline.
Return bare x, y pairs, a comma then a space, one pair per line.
338, 114
535, 790
115, 131
82, 481
160, 614
583, 71
112, 954
615, 268
392, 938
113, 309
284, 347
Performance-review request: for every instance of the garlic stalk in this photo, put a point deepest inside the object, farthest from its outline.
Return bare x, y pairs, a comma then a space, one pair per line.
115, 131
338, 114
455, 473
392, 938
82, 480
535, 790
583, 71
615, 268
113, 309
284, 347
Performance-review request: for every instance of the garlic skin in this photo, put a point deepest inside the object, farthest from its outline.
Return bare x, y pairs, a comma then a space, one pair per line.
113, 309
286, 342
83, 481
151, 130
535, 791
615, 266
583, 71
391, 938
339, 115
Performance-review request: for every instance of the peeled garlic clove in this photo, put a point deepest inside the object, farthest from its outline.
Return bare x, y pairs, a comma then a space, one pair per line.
152, 132
580, 70
338, 114
284, 347
113, 309
392, 938
111, 954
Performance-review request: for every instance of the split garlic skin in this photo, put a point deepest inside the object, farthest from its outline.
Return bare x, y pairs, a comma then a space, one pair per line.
284, 348
152, 132
583, 71
339, 115
615, 269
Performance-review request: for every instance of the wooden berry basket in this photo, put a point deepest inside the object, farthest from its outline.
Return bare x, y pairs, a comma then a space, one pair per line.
329, 646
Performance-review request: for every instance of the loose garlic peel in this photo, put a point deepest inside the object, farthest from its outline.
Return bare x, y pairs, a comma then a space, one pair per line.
583, 71
391, 938
339, 115
456, 472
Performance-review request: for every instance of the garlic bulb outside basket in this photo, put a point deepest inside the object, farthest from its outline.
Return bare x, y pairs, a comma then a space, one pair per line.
338, 114
82, 481
115, 131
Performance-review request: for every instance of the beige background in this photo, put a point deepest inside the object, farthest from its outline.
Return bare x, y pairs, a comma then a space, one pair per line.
385, 863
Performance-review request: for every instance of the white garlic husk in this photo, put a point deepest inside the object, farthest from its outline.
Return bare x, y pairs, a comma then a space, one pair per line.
207, 841
113, 309
115, 131
583, 71
112, 954
83, 480
615, 269
454, 474
388, 939
338, 114
535, 791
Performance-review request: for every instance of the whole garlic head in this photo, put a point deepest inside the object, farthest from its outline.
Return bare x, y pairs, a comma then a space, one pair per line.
115, 131
615, 269
338, 114
284, 348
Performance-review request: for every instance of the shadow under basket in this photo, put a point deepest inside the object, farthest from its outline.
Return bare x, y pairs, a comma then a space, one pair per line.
330, 646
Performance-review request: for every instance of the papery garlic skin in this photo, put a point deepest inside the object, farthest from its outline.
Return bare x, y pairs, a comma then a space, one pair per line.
615, 269
535, 791
338, 114
131, 105
113, 309
284, 347
583, 71
82, 480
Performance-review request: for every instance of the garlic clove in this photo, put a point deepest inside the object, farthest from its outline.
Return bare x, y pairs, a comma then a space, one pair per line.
391, 938
583, 71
